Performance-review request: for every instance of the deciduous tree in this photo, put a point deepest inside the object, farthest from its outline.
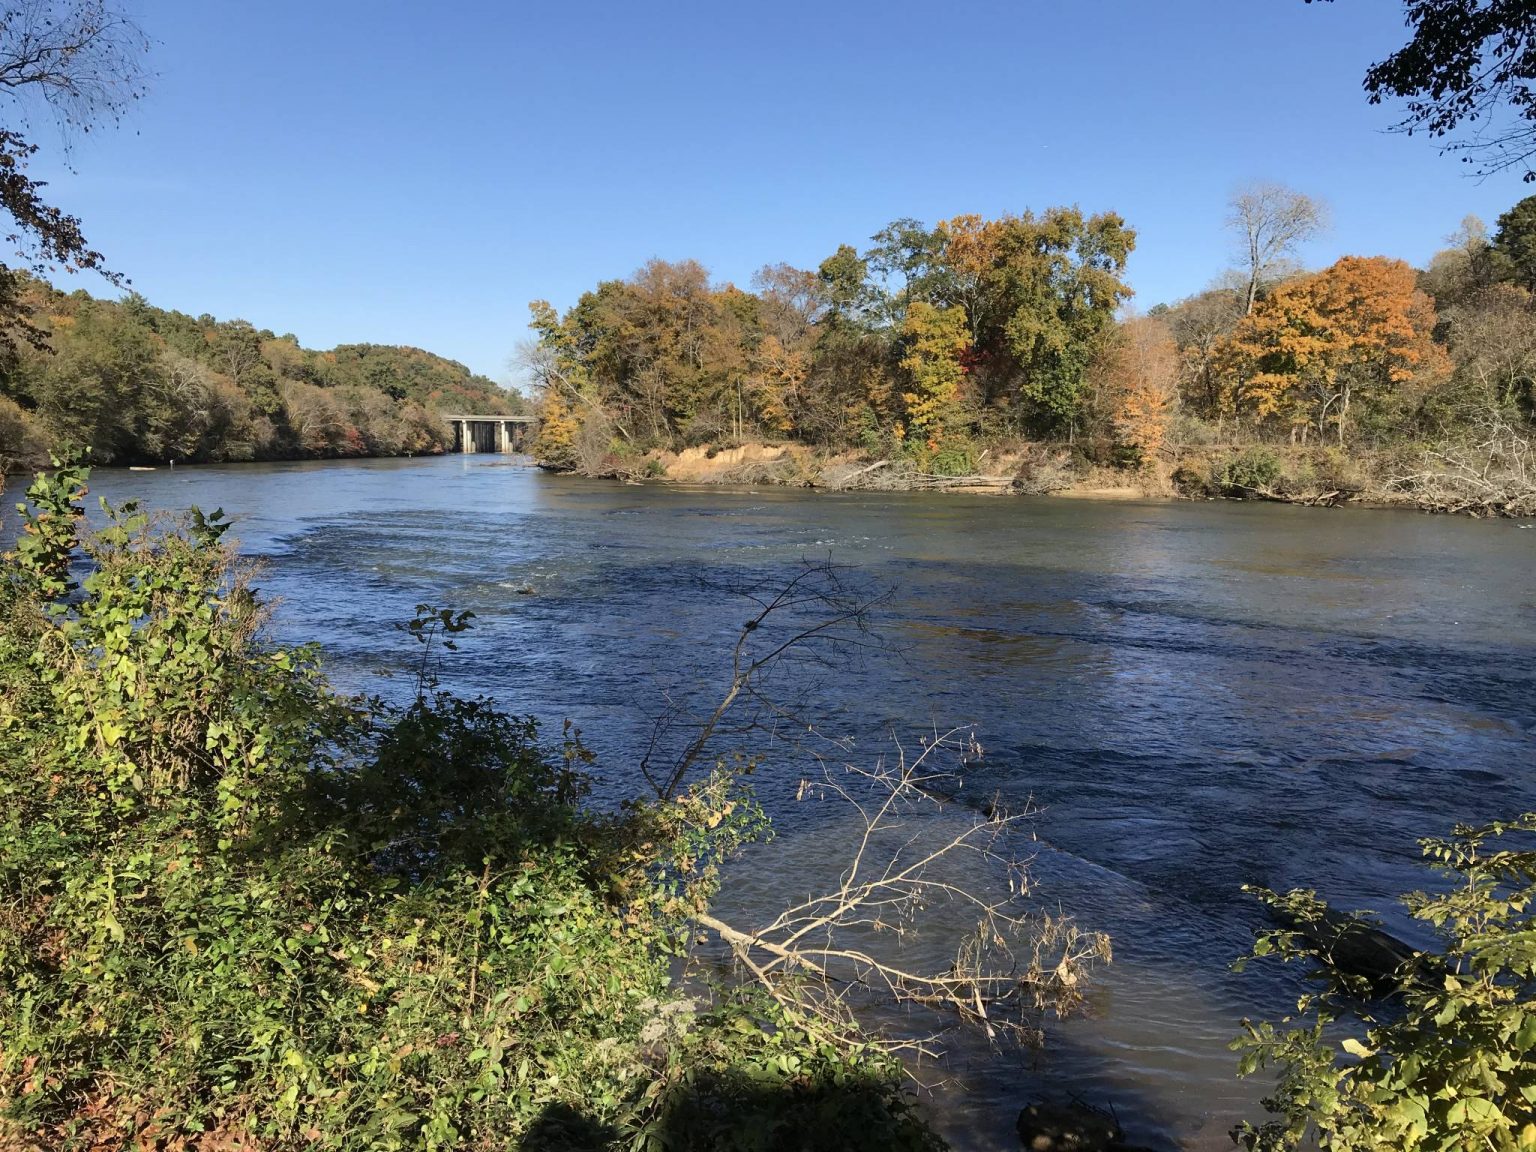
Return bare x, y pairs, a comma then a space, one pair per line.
1469, 66
1317, 344
81, 62
1271, 221
936, 341
1143, 369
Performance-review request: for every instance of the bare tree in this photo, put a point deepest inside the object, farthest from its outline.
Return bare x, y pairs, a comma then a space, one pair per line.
1271, 221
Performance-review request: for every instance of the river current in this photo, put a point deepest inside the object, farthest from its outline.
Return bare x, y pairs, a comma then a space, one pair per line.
1196, 696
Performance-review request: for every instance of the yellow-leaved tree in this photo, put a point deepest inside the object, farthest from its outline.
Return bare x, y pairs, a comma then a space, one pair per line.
937, 341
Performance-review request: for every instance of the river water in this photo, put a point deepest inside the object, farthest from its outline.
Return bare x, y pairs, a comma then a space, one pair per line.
1197, 696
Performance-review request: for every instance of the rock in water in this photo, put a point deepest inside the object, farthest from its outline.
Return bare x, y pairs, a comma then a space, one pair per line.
1354, 946
1068, 1128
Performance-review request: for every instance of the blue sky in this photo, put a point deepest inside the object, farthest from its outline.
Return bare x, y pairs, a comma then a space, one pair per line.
412, 173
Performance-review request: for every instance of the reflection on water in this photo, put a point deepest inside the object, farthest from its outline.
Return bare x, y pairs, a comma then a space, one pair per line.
1200, 695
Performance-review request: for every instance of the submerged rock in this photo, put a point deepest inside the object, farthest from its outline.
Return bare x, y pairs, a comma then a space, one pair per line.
1072, 1127
1354, 946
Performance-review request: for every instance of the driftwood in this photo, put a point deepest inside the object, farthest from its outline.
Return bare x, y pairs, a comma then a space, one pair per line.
1332, 498
894, 476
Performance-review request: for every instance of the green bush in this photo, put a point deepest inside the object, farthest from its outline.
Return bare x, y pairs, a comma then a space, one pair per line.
953, 458
238, 910
1191, 482
1251, 469
1448, 1061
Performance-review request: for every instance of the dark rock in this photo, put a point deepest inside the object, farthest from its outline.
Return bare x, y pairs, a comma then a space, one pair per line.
1074, 1127
1354, 946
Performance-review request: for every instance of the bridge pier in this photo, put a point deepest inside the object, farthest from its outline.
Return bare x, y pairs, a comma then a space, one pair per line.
501, 434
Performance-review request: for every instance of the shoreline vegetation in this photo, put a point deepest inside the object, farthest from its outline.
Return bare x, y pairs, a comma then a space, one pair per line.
1308, 478
140, 385
995, 355
244, 912
240, 911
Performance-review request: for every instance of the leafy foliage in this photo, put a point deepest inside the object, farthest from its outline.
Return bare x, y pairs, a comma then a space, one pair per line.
79, 60
1450, 1061
933, 331
1319, 343
239, 911
1469, 64
136, 382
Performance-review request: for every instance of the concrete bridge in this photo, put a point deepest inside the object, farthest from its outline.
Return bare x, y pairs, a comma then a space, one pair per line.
502, 434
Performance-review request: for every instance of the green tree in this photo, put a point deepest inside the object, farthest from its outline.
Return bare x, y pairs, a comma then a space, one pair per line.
1516, 242
1468, 66
1059, 284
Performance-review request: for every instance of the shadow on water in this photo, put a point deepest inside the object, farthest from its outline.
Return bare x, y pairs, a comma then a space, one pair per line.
728, 1111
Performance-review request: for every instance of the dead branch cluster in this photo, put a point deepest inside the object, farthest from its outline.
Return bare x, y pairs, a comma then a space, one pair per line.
1492, 476
912, 872
903, 476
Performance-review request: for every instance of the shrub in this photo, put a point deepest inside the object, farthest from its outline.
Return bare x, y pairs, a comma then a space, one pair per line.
240, 911
1449, 1060
1252, 469
953, 458
1191, 482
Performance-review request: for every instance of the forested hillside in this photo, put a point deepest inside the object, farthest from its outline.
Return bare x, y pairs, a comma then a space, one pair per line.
937, 347
135, 383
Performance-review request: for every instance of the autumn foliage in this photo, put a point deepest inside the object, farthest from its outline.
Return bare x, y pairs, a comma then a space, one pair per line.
1317, 345
1142, 371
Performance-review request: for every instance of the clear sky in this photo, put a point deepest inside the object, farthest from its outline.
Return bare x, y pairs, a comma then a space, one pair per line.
415, 173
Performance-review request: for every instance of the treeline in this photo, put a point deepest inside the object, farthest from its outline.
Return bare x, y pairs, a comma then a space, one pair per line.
139, 384
939, 343
931, 339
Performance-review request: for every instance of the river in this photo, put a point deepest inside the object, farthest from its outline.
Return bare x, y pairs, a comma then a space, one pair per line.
1197, 696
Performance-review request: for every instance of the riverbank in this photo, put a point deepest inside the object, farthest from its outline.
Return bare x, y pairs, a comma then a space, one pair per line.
1429, 480
1162, 677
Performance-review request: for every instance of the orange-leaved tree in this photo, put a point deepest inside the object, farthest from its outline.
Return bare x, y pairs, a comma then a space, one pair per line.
1142, 374
1320, 343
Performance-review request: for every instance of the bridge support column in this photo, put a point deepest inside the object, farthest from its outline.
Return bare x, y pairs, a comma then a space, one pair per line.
466, 436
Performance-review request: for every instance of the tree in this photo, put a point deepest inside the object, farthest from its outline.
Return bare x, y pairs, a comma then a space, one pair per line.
1058, 283
1468, 65
1493, 341
80, 61
1316, 344
1271, 221
936, 342
1143, 371
1465, 270
1200, 327
1516, 241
